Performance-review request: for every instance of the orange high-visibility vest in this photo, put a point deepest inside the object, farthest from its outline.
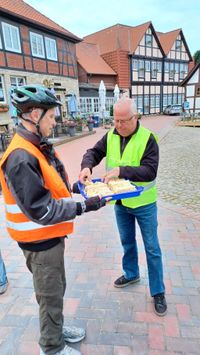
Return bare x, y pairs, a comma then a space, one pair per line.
19, 226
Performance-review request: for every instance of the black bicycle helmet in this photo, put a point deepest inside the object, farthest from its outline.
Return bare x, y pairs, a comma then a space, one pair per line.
26, 97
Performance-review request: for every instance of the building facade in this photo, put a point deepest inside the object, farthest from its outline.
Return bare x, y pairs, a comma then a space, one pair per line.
92, 68
192, 89
35, 50
150, 65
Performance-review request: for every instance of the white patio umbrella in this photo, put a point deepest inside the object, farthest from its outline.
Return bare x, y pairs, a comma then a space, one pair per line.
102, 100
116, 93
73, 105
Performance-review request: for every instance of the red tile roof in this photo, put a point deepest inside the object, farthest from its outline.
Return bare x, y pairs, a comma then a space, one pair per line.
119, 36
167, 39
89, 58
21, 9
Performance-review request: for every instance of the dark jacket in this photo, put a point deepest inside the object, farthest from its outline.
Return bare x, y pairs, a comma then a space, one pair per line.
147, 170
25, 181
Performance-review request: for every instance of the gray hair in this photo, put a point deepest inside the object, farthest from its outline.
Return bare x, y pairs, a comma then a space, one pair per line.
125, 101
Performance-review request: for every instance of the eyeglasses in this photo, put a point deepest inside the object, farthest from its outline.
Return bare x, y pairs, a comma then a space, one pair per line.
124, 121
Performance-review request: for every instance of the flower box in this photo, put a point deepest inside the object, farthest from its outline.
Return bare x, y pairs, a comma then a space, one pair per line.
4, 108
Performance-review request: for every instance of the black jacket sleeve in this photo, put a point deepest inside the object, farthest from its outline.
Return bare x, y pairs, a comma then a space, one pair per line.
25, 181
147, 170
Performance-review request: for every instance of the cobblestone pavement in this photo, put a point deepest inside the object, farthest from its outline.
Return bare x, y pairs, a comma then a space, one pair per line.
117, 321
179, 170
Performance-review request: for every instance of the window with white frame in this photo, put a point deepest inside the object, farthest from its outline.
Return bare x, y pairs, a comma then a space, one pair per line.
135, 64
180, 99
82, 104
153, 101
86, 105
11, 37
16, 81
164, 100
146, 101
37, 45
147, 65
178, 45
182, 70
148, 40
154, 70
96, 105
140, 103
157, 101
169, 99
0, 42
171, 70
2, 90
166, 67
141, 69
176, 68
159, 66
109, 103
51, 49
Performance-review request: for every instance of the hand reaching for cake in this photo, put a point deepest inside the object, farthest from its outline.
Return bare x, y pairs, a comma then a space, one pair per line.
114, 173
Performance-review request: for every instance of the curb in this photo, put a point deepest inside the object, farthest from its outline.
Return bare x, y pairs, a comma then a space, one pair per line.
61, 140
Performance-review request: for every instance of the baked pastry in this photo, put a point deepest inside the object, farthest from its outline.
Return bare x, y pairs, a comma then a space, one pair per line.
114, 186
120, 186
98, 188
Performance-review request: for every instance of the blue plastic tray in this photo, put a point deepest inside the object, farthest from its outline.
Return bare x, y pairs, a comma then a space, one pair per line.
120, 196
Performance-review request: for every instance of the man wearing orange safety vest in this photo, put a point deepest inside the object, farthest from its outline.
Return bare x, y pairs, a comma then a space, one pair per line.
40, 211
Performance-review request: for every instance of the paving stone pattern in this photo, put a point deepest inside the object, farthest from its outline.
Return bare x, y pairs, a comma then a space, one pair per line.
117, 321
179, 169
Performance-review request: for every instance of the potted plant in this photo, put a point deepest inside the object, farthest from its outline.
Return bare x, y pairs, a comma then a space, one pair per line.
90, 123
71, 124
79, 124
4, 107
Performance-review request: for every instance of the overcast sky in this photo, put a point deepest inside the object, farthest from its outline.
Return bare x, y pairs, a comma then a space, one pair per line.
83, 17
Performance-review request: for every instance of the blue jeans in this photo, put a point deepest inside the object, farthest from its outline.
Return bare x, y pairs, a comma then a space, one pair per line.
146, 217
3, 277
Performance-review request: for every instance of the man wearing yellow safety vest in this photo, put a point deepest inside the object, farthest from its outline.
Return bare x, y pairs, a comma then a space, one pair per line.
40, 210
131, 152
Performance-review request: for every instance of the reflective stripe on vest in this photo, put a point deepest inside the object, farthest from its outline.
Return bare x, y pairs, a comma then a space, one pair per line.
27, 226
19, 226
15, 208
131, 156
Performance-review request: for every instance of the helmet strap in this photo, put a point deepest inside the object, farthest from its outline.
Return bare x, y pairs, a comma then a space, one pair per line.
27, 120
37, 125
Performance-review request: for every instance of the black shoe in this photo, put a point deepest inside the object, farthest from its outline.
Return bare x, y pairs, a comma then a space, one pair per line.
160, 304
123, 282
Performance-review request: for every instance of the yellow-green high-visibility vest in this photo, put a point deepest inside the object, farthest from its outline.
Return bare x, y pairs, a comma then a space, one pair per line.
131, 156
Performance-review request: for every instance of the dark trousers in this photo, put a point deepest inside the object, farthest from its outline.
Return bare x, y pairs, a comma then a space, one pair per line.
49, 283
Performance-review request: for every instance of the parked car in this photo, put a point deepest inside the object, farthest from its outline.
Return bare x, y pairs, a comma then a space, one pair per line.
173, 110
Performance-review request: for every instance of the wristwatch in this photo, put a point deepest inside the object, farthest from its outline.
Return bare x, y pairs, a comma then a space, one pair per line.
83, 206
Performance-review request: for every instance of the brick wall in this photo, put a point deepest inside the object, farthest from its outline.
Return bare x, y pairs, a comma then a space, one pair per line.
119, 62
25, 60
69, 84
109, 80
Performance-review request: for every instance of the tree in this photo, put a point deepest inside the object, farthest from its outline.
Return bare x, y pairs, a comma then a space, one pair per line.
197, 57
